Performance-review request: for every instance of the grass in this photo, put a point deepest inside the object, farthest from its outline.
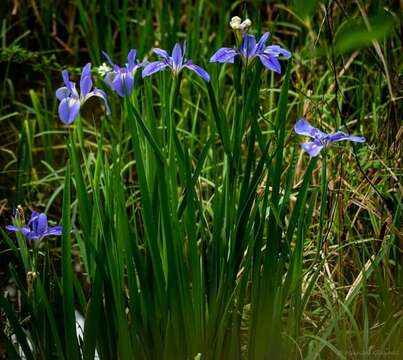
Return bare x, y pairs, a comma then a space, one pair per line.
194, 227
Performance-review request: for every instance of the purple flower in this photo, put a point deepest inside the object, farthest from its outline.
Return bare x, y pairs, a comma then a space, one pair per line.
37, 227
321, 140
250, 50
121, 79
176, 63
71, 101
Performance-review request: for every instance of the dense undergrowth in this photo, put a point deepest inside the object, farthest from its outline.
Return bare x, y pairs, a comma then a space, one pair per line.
194, 226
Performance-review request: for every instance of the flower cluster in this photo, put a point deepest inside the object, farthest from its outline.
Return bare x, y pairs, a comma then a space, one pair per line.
122, 79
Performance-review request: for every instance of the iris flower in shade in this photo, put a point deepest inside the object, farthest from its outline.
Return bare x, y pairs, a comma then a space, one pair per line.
121, 79
37, 227
71, 100
176, 62
321, 140
250, 50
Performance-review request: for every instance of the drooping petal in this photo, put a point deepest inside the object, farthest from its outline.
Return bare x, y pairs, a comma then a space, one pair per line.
25, 230
118, 84
129, 82
54, 230
177, 56
62, 93
303, 127
42, 224
312, 148
198, 70
109, 78
270, 63
68, 110
12, 228
153, 67
160, 52
32, 236
101, 94
248, 46
275, 50
261, 44
224, 55
340, 136
123, 83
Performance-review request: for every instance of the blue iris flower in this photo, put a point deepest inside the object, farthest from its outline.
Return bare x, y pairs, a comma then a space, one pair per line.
71, 100
250, 50
321, 140
121, 79
37, 227
176, 63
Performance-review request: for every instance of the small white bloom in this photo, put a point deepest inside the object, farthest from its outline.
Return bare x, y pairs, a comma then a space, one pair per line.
245, 25
104, 69
235, 22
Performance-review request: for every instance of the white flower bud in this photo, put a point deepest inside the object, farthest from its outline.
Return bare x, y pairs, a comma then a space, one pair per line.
104, 69
245, 25
235, 22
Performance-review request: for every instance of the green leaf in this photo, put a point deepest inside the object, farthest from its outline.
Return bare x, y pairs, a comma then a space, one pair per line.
354, 35
67, 274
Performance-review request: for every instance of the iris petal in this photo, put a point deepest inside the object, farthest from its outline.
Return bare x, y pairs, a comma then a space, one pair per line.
275, 50
131, 58
303, 127
177, 56
153, 67
100, 93
12, 228
55, 230
260, 46
312, 148
160, 52
86, 70
248, 46
270, 63
68, 110
109, 78
62, 92
198, 70
66, 80
85, 85
42, 224
224, 55
340, 136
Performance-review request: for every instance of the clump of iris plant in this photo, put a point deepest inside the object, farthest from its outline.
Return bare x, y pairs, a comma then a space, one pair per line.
321, 140
121, 79
176, 62
71, 101
37, 227
250, 50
